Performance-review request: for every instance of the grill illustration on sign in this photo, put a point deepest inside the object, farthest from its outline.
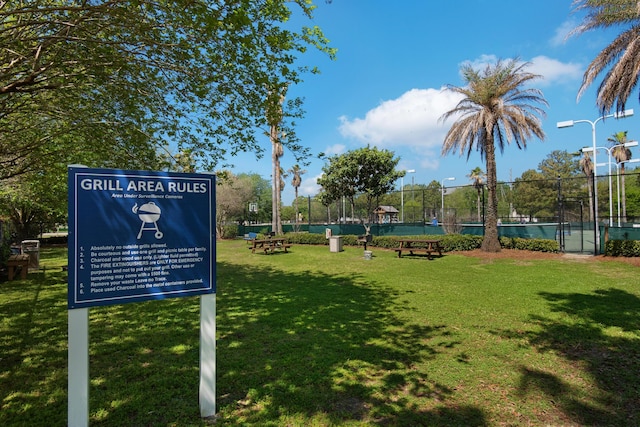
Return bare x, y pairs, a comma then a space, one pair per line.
149, 213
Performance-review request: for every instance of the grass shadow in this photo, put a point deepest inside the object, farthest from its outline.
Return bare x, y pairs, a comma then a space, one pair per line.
305, 347
33, 353
600, 333
325, 346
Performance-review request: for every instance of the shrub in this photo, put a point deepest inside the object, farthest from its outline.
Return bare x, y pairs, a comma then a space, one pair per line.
307, 239
387, 242
55, 240
350, 240
5, 251
449, 242
461, 242
229, 231
538, 245
626, 248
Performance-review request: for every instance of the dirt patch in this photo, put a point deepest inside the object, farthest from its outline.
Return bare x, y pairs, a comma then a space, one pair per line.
509, 254
524, 256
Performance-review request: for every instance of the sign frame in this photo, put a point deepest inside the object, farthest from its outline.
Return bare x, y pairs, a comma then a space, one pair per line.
121, 247
197, 257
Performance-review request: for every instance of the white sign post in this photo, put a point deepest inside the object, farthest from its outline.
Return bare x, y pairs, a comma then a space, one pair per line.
78, 376
207, 355
136, 236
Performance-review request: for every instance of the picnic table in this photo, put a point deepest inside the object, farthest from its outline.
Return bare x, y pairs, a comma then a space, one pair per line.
15, 261
427, 246
270, 245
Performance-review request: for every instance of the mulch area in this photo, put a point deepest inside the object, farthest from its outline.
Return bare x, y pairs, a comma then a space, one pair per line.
534, 255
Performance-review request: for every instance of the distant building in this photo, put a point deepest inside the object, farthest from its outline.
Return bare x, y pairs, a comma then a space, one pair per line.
386, 214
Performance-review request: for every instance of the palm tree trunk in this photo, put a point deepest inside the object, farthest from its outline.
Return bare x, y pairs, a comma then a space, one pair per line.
590, 190
623, 194
478, 206
491, 242
296, 201
353, 210
276, 224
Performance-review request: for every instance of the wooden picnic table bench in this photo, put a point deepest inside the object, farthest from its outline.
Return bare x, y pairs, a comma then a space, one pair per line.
419, 245
270, 245
16, 261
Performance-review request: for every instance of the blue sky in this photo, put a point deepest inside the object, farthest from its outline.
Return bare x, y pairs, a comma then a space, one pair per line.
385, 87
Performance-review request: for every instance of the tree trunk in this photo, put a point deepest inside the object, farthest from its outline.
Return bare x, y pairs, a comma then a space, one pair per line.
274, 118
623, 194
276, 152
590, 190
296, 202
491, 242
478, 207
352, 204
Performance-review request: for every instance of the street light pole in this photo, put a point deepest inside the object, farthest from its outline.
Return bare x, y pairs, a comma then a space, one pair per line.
626, 144
413, 205
609, 151
402, 192
618, 182
442, 191
570, 123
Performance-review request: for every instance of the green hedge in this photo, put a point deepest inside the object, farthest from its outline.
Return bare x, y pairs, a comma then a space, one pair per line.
449, 242
538, 245
626, 248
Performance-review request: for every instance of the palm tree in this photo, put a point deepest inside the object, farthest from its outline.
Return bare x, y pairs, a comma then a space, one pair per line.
296, 181
477, 176
586, 166
620, 59
622, 154
274, 118
494, 110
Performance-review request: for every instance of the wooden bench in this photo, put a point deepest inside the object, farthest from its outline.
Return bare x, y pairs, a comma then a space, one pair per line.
419, 245
272, 248
16, 261
270, 245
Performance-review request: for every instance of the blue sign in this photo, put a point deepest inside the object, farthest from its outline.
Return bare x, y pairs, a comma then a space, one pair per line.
138, 235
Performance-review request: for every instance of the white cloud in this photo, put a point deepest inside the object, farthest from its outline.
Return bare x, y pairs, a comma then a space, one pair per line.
335, 149
410, 120
555, 71
432, 161
309, 186
562, 32
551, 70
481, 62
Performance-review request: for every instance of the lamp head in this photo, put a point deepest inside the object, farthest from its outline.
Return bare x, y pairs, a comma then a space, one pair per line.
565, 124
625, 113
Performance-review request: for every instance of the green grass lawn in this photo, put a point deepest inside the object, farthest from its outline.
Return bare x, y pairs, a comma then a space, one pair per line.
314, 338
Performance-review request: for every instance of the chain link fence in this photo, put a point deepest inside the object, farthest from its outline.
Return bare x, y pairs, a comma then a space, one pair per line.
565, 204
521, 201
